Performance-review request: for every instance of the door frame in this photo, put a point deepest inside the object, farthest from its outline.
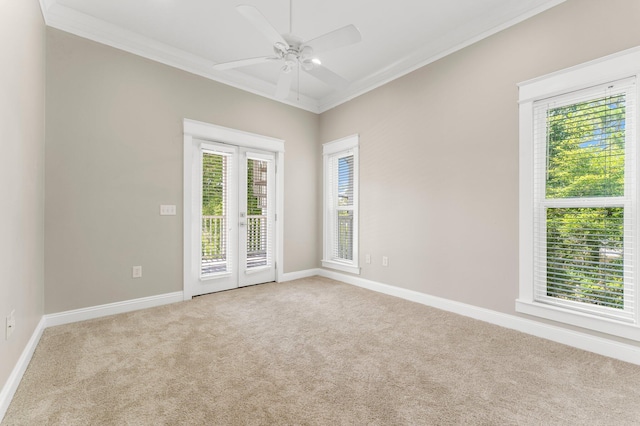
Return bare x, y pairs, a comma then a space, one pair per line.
194, 131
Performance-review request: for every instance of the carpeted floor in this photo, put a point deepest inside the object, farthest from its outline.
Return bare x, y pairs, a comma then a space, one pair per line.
314, 352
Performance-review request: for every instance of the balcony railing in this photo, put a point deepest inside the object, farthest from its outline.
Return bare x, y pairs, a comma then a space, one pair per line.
257, 241
345, 235
215, 245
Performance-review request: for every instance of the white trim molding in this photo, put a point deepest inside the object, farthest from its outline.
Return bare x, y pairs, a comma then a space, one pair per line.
12, 383
99, 311
613, 349
227, 135
67, 19
338, 266
587, 342
67, 317
196, 133
602, 70
331, 153
297, 275
602, 73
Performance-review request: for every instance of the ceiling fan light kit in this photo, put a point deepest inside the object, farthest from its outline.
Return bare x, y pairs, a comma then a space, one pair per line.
294, 53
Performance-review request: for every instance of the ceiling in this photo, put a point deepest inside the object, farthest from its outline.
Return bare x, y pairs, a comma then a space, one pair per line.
398, 36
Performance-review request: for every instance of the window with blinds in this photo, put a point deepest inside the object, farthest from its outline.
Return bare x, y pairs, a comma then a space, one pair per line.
584, 200
341, 205
342, 186
215, 258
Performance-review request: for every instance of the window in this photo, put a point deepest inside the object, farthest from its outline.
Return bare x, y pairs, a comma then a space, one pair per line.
578, 218
340, 160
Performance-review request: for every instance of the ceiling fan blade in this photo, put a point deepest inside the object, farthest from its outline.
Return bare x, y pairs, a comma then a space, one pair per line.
243, 63
329, 77
341, 37
284, 85
260, 22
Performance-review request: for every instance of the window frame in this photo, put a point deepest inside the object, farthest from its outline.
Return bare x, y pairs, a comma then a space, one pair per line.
339, 148
611, 68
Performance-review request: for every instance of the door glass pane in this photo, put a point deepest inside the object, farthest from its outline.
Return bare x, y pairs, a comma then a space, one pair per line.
258, 241
214, 231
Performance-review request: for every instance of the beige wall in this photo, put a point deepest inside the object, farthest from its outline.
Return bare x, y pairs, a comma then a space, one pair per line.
439, 153
114, 154
22, 49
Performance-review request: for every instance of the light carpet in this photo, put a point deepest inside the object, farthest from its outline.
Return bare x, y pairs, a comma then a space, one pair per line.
314, 352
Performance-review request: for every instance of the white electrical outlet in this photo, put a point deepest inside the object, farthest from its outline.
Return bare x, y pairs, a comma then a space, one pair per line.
136, 272
367, 258
10, 324
385, 261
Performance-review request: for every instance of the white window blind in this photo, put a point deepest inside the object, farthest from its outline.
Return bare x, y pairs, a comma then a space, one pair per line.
341, 180
215, 258
259, 242
341, 205
585, 200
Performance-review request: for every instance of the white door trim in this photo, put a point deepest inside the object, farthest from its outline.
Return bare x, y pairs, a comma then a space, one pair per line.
194, 130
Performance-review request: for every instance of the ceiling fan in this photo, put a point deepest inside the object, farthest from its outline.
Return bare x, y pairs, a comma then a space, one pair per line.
295, 53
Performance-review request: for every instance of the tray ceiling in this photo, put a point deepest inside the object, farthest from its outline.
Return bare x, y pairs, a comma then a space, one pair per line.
398, 36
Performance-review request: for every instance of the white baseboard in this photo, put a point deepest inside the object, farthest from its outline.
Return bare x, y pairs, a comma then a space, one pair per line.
9, 388
290, 276
11, 385
606, 347
584, 341
112, 309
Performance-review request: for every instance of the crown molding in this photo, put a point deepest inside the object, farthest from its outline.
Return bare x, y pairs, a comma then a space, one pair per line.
80, 24
85, 26
419, 59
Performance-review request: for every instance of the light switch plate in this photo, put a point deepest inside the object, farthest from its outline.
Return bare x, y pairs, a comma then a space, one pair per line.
167, 210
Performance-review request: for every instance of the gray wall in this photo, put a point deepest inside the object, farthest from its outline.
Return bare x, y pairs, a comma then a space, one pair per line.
22, 78
114, 154
439, 153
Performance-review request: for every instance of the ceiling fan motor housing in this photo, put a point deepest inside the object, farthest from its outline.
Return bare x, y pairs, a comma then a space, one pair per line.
290, 60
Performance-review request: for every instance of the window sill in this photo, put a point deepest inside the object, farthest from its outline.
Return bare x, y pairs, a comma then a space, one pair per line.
603, 325
353, 269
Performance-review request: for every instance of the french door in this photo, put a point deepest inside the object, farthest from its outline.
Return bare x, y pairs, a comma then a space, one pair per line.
235, 209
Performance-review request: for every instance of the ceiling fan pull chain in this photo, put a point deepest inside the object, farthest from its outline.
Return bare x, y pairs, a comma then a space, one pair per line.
298, 84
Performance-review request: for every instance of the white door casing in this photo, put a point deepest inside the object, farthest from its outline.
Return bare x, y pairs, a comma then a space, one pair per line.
239, 148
